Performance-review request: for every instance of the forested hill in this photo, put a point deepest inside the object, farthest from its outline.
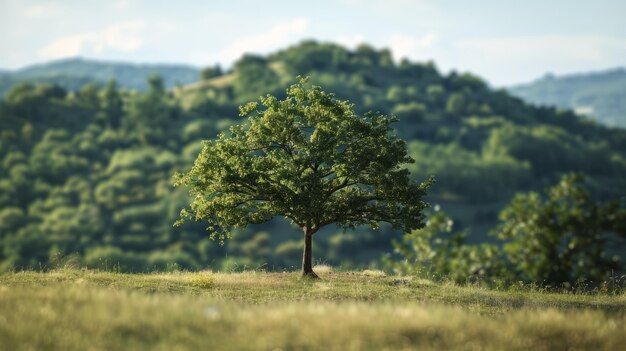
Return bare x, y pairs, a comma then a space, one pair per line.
87, 174
601, 95
73, 73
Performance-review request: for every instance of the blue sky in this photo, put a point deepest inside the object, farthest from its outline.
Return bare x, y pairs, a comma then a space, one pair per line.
506, 42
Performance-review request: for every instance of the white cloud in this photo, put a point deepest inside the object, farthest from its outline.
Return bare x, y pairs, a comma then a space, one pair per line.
65, 46
582, 48
279, 35
408, 46
41, 11
427, 40
121, 4
514, 59
123, 37
351, 41
518, 59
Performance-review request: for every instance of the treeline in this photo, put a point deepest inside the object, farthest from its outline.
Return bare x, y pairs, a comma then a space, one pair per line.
72, 73
87, 174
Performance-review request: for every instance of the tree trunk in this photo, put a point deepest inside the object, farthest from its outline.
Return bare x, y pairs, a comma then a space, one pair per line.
307, 257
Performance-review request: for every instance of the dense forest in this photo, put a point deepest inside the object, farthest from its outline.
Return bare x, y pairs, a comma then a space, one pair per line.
86, 174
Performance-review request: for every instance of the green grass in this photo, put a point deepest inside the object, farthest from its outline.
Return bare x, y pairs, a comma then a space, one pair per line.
85, 310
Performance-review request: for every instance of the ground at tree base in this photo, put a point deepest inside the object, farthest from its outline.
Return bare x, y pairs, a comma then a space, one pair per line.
86, 310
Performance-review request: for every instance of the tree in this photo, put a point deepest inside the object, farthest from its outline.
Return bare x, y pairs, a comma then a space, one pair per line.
254, 76
437, 250
455, 104
112, 104
149, 114
210, 72
308, 158
563, 238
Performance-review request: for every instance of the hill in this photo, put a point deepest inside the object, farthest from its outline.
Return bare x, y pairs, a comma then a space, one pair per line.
88, 174
77, 310
601, 95
73, 73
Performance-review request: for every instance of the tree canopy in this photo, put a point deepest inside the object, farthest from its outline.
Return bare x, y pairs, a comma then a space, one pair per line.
309, 158
563, 237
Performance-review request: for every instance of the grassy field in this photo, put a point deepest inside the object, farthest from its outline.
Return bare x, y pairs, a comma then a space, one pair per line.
84, 310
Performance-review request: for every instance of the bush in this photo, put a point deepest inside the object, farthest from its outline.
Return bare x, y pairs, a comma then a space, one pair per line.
436, 251
203, 280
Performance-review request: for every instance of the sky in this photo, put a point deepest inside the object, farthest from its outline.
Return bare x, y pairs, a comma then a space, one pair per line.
505, 42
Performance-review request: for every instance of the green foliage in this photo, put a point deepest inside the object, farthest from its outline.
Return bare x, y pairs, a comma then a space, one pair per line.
414, 112
456, 104
478, 177
89, 170
254, 77
308, 158
203, 280
564, 237
112, 104
210, 72
73, 73
436, 251
550, 149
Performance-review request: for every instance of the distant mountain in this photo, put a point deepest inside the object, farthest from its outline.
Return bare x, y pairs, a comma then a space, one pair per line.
74, 72
601, 95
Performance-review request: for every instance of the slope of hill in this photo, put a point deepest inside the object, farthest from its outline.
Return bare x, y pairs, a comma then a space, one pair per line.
601, 95
72, 73
89, 174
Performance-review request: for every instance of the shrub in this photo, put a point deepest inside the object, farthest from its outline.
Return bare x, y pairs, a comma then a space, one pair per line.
203, 280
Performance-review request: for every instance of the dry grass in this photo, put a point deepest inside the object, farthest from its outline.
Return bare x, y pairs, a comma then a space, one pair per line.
322, 268
218, 82
373, 273
79, 310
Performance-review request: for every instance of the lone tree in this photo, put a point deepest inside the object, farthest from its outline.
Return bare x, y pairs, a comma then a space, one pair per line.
309, 158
